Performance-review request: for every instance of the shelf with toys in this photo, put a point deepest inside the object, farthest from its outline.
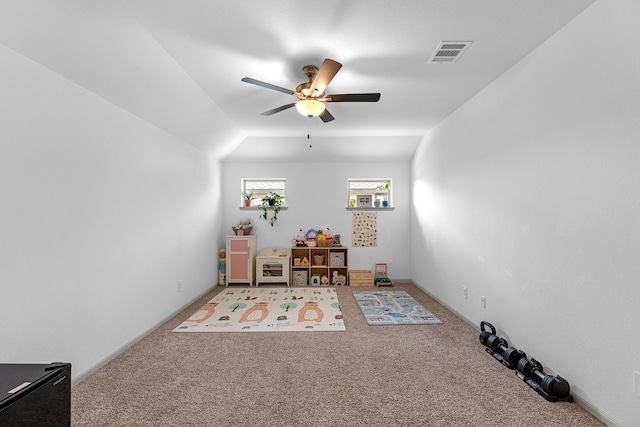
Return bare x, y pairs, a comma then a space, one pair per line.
318, 259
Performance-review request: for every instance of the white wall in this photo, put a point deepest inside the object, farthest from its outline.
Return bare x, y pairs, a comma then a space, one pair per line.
529, 195
316, 197
100, 215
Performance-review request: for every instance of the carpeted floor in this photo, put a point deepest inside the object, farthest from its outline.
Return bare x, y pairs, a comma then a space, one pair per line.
366, 376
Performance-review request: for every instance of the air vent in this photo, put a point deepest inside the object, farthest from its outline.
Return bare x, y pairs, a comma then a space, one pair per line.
448, 52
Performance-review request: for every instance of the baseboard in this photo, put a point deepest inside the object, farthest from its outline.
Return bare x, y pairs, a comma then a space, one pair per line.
116, 353
590, 408
577, 398
445, 305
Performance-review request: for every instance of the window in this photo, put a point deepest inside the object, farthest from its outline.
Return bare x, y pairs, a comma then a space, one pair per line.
254, 189
370, 193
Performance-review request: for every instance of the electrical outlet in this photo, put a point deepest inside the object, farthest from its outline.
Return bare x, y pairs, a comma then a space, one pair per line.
483, 302
465, 294
389, 264
179, 285
636, 383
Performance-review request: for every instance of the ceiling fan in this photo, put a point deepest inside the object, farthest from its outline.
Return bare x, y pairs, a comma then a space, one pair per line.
311, 96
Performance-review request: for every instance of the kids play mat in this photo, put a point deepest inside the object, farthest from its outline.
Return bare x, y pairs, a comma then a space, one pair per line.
268, 310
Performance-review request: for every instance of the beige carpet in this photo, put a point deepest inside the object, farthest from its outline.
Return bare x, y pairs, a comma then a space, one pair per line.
366, 376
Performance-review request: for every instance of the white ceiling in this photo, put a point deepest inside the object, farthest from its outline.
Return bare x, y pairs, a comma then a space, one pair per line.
178, 64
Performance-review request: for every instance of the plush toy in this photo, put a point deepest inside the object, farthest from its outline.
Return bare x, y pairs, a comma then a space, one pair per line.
299, 238
244, 223
312, 238
242, 227
327, 234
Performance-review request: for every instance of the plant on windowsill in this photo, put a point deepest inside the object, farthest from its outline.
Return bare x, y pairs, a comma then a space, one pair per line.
274, 201
385, 197
247, 196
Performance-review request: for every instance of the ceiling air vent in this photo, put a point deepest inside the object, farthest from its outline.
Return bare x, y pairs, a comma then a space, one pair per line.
448, 52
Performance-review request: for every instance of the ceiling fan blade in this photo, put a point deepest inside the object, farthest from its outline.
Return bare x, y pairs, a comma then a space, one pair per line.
326, 116
267, 85
326, 73
353, 97
277, 110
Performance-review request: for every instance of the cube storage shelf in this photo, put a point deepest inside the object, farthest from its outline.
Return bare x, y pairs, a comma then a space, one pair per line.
310, 264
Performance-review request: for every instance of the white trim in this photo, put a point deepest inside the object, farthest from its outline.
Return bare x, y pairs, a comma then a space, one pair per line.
577, 398
125, 347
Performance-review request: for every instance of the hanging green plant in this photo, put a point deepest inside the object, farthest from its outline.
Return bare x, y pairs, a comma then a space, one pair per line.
274, 201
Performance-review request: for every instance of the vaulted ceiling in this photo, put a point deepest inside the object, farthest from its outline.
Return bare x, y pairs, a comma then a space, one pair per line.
178, 64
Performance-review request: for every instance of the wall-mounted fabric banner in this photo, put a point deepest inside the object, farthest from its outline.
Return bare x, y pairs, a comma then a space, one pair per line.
364, 229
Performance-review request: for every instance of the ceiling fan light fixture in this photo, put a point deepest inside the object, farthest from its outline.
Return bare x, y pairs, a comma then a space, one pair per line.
310, 107
311, 95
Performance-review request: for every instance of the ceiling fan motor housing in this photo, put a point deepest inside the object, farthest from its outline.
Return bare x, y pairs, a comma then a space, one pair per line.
302, 90
310, 71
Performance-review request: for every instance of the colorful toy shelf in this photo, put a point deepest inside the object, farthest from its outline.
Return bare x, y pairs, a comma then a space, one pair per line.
318, 266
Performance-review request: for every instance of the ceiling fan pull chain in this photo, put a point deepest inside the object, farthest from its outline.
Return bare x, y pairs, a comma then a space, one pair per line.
309, 130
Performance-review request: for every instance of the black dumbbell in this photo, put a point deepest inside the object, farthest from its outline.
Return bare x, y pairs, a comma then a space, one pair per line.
553, 386
509, 356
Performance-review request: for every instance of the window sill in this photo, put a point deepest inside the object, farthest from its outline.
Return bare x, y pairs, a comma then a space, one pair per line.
259, 208
362, 208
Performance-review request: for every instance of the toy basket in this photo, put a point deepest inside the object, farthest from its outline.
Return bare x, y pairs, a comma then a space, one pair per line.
239, 231
325, 243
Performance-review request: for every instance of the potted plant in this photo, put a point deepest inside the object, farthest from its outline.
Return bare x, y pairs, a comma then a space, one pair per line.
274, 201
248, 196
385, 200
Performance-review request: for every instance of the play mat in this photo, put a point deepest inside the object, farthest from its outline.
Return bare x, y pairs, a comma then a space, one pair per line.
268, 310
393, 308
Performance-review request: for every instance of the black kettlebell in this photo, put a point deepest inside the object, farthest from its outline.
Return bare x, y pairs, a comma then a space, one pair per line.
484, 333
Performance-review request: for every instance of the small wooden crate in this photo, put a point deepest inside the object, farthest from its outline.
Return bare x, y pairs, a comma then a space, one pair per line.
360, 278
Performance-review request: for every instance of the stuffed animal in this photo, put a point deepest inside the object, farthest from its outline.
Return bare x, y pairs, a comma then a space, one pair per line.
299, 238
327, 234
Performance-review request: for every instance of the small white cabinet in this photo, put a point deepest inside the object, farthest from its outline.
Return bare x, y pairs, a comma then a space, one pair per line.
241, 259
272, 266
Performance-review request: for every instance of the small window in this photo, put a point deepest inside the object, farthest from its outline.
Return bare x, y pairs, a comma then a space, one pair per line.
369, 193
253, 189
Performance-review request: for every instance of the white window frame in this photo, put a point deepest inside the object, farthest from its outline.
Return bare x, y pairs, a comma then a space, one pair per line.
374, 187
262, 186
